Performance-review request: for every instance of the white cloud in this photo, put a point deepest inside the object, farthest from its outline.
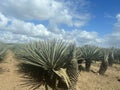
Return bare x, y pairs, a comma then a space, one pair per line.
27, 28
3, 20
36, 9
113, 39
21, 27
117, 24
20, 31
82, 37
51, 10
81, 20
118, 17
13, 38
15, 25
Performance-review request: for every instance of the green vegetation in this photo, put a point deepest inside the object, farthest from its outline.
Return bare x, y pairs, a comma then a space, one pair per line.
50, 63
2, 51
104, 56
89, 53
116, 56
56, 63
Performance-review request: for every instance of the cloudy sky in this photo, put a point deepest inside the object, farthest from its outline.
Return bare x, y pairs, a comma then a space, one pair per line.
83, 21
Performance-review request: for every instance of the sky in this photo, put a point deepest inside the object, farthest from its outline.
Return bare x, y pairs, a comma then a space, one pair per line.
95, 22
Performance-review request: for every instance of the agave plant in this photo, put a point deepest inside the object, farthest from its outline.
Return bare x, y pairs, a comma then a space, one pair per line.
49, 63
79, 58
89, 53
117, 55
104, 58
72, 69
79, 55
111, 56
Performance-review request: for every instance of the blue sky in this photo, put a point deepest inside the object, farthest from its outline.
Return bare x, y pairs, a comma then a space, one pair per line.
104, 13
83, 21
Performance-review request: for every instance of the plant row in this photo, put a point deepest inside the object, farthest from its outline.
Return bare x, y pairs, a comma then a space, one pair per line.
56, 63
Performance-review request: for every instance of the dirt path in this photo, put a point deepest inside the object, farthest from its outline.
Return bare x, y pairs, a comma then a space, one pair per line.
9, 78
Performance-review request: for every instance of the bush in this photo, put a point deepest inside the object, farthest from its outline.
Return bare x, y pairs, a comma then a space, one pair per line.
49, 63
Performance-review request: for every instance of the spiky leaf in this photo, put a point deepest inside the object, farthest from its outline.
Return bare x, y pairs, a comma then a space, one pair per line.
48, 56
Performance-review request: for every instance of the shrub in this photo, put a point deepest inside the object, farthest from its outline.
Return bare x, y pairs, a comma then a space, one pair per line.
49, 63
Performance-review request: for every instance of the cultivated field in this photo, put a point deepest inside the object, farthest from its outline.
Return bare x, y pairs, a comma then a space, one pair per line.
10, 79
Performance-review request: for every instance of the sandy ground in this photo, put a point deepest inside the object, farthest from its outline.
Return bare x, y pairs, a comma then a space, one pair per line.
10, 79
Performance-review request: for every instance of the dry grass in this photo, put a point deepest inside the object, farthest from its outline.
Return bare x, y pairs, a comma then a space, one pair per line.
93, 81
10, 78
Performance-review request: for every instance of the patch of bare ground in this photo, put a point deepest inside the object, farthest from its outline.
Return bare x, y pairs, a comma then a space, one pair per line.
10, 79
93, 81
